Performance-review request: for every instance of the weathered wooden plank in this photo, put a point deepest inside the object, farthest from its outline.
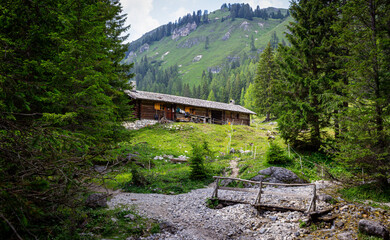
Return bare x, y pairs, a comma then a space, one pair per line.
237, 179
238, 189
277, 208
286, 194
257, 201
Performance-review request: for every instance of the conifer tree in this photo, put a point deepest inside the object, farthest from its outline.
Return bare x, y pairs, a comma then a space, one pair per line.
304, 111
264, 84
62, 102
365, 141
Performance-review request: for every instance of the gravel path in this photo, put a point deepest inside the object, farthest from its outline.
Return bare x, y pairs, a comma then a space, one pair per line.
186, 216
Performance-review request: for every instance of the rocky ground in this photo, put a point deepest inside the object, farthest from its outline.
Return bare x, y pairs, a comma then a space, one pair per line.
186, 216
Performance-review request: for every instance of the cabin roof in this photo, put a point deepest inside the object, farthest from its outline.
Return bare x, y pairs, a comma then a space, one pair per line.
187, 101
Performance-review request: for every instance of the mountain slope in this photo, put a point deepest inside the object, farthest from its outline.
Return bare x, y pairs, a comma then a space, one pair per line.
229, 41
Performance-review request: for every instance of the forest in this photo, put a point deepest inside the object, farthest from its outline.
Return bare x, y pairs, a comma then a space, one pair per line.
62, 100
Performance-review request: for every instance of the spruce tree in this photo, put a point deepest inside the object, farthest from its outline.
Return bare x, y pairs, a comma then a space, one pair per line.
264, 84
62, 102
364, 142
305, 82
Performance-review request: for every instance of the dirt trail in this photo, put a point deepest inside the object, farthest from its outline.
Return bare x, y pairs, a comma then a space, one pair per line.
235, 169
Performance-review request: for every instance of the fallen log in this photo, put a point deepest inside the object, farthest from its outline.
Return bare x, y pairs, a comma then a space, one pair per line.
277, 208
178, 160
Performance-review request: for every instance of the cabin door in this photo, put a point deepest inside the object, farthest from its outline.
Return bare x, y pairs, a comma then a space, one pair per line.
216, 116
169, 112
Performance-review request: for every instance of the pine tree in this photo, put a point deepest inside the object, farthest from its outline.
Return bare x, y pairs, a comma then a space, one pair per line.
211, 96
267, 73
365, 141
304, 111
207, 43
253, 48
62, 102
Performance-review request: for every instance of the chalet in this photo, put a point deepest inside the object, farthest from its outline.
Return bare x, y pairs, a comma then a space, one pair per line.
149, 105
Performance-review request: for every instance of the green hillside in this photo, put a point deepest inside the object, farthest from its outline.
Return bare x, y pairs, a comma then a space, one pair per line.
181, 51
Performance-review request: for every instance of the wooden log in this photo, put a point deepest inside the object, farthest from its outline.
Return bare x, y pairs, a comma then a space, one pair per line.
215, 193
178, 160
313, 200
277, 208
238, 189
257, 201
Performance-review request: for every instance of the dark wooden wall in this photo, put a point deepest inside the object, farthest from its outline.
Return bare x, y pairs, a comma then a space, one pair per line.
144, 109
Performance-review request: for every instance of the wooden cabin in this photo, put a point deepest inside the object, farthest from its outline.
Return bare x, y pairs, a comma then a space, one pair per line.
149, 105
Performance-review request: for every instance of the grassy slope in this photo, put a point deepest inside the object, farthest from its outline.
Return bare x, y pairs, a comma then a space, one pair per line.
219, 50
176, 139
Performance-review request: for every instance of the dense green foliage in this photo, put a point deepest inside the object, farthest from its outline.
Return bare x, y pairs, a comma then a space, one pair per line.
276, 155
265, 82
197, 161
333, 89
61, 105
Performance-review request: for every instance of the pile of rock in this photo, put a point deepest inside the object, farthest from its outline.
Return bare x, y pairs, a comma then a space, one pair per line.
139, 124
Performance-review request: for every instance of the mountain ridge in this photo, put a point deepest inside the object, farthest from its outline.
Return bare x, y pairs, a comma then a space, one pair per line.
217, 46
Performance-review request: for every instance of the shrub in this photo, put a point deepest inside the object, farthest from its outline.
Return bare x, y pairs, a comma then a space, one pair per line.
276, 155
197, 161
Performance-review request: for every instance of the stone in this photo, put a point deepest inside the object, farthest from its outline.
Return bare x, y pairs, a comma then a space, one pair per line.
262, 230
99, 168
167, 227
373, 228
339, 224
132, 157
345, 236
232, 151
273, 218
325, 198
278, 175
130, 216
96, 200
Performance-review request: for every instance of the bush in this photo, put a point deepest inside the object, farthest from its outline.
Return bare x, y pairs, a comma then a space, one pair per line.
276, 155
197, 161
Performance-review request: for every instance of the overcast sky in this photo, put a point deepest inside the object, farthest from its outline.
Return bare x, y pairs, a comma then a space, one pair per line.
146, 15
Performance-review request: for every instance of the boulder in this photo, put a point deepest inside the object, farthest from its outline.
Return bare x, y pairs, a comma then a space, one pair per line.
96, 200
277, 175
325, 198
373, 228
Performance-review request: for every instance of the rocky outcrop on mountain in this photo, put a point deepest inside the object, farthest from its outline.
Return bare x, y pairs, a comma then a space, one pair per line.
245, 26
197, 58
144, 48
189, 43
184, 31
226, 36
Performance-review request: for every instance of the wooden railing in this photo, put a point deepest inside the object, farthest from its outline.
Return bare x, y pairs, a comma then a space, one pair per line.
259, 191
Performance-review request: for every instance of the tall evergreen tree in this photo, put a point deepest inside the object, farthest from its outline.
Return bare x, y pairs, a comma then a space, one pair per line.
62, 101
264, 84
365, 141
304, 112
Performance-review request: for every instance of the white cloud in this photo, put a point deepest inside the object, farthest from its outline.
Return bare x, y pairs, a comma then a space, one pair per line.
180, 12
138, 16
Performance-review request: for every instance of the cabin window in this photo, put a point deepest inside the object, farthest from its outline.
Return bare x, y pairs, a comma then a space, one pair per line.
159, 106
190, 110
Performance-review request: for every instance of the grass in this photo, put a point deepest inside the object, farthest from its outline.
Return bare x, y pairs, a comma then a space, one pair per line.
163, 176
366, 192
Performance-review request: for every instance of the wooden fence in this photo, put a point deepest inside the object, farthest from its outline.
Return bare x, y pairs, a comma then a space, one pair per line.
259, 191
